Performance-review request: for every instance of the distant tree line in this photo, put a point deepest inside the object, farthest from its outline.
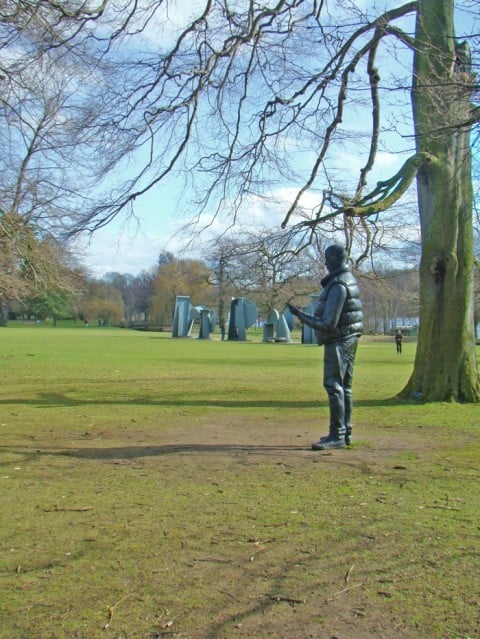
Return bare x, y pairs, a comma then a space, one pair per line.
259, 265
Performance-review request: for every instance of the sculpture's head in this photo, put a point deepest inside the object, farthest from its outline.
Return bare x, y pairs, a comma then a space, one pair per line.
335, 256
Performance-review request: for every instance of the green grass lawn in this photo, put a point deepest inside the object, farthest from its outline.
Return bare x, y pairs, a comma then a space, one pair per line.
153, 487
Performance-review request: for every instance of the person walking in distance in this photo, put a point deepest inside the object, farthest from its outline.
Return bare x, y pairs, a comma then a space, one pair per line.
398, 341
338, 324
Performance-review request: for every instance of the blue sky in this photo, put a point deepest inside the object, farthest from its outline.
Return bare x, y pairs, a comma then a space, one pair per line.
133, 245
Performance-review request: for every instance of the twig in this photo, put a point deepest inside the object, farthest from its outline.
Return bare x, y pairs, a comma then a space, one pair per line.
349, 572
67, 510
112, 608
342, 592
215, 560
287, 599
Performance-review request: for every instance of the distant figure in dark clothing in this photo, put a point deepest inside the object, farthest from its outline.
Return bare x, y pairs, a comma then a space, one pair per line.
398, 341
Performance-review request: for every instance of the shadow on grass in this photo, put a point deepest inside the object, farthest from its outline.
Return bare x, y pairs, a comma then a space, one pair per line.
49, 400
132, 452
245, 451
135, 452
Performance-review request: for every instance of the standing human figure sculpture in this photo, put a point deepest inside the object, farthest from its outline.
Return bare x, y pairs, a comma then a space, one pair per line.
338, 324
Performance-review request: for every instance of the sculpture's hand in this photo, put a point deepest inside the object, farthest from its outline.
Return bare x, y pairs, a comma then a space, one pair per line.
294, 310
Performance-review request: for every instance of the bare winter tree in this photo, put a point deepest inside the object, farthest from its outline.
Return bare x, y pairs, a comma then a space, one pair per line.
388, 296
263, 266
45, 169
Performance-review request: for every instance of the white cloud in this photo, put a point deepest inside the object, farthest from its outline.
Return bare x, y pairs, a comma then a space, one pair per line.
386, 165
126, 248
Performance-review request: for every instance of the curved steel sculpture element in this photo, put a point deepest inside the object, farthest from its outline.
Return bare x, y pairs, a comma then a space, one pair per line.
243, 314
289, 318
208, 321
185, 316
276, 327
308, 333
182, 323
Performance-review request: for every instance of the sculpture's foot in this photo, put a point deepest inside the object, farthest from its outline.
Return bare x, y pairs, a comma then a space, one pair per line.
348, 438
326, 443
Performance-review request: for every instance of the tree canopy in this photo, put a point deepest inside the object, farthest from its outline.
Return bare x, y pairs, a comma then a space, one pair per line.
229, 98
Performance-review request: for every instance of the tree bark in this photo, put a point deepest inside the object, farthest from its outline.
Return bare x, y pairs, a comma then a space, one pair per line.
3, 313
445, 364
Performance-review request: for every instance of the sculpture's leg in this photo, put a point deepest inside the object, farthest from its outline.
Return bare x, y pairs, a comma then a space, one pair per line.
333, 369
348, 415
350, 351
338, 376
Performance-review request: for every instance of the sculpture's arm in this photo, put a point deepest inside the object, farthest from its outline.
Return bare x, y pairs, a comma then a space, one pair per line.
331, 315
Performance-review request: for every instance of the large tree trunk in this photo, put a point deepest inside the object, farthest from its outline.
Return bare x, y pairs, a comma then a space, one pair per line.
3, 313
445, 364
